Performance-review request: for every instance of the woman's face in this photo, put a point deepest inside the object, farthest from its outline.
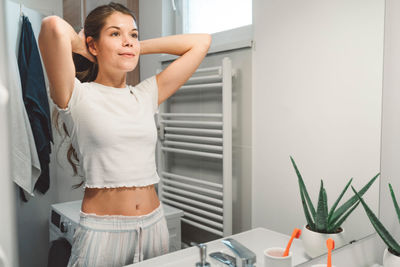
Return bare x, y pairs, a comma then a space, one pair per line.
118, 47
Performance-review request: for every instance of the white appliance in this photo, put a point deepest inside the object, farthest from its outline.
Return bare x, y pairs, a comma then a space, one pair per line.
64, 219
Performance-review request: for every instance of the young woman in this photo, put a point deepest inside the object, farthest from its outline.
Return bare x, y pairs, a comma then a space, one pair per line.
112, 129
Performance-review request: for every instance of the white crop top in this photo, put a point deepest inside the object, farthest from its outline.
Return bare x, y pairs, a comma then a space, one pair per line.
113, 132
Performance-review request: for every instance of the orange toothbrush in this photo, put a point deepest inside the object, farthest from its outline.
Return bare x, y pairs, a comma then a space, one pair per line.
296, 234
331, 245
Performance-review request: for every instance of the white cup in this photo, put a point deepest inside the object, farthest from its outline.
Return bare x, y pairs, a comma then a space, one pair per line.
273, 257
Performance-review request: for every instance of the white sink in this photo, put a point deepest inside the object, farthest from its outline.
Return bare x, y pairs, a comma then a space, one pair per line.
257, 240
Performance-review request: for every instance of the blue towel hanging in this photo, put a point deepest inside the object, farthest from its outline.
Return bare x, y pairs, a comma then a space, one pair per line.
35, 100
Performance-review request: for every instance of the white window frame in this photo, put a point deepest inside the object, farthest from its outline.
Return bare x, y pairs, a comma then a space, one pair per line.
241, 37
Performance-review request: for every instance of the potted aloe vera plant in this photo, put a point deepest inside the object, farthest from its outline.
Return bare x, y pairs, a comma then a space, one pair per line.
321, 222
391, 256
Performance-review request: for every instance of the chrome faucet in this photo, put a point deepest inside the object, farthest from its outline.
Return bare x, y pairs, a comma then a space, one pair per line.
244, 256
203, 255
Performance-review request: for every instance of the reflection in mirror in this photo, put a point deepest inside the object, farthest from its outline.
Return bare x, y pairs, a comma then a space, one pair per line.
317, 96
309, 85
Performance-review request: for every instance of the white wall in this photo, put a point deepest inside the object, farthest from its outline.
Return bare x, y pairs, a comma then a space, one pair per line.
8, 240
370, 250
150, 26
317, 85
44, 7
391, 118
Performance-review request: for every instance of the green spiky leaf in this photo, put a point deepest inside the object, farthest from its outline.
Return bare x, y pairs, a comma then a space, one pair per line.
333, 228
396, 206
338, 200
309, 219
321, 221
304, 190
349, 203
380, 229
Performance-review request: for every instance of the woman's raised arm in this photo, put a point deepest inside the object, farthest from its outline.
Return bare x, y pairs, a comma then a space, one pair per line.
191, 47
57, 41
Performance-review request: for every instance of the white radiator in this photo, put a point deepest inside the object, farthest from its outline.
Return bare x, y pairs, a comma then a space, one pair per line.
206, 205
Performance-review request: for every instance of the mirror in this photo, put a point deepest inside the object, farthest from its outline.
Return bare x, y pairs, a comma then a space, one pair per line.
315, 71
317, 96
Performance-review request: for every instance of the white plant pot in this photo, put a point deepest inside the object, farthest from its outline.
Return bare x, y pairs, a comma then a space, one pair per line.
390, 260
315, 243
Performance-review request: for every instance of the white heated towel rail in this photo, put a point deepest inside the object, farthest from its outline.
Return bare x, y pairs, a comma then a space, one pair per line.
206, 205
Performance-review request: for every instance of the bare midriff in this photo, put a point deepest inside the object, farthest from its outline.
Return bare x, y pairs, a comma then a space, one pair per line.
127, 201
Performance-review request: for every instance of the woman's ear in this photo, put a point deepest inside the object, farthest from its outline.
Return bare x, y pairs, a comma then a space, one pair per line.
91, 45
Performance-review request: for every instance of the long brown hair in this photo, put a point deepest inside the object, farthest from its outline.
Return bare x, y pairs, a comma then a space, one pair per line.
86, 71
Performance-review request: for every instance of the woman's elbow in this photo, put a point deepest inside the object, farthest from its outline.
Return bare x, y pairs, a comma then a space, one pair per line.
204, 41
207, 39
50, 24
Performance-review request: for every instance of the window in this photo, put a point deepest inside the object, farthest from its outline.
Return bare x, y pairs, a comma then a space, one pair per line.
211, 16
228, 21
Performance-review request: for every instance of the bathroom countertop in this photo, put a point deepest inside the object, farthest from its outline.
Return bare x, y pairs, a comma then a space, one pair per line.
366, 252
257, 240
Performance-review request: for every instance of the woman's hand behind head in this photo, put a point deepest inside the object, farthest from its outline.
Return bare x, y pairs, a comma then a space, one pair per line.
84, 51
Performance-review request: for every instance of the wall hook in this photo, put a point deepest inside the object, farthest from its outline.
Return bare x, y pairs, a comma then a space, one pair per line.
173, 5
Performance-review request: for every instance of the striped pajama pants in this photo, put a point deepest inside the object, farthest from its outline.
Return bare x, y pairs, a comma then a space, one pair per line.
117, 240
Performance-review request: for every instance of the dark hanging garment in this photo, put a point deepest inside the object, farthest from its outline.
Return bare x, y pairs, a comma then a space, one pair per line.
35, 99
